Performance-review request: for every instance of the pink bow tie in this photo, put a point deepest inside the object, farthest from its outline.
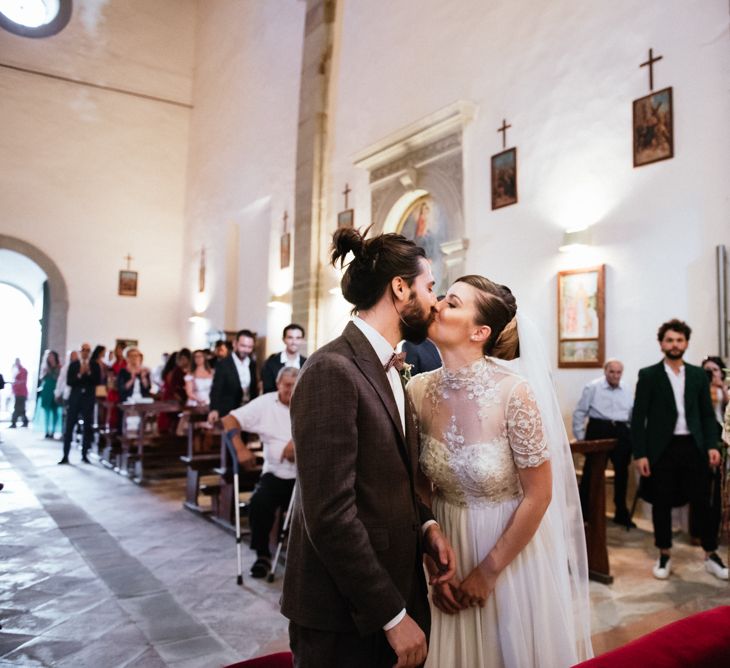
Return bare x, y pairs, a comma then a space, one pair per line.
396, 360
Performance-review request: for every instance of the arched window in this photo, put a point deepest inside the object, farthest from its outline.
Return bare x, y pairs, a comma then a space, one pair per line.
34, 18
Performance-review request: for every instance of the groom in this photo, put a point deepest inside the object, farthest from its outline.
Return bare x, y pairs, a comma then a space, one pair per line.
354, 587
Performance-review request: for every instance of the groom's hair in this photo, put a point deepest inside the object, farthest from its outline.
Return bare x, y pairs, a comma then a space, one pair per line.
375, 263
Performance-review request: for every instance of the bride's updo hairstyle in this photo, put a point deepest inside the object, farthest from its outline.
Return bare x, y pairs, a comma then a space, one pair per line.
375, 264
496, 307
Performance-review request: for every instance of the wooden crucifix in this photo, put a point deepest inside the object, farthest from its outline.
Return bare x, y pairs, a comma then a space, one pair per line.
129, 259
346, 192
650, 64
285, 244
201, 270
503, 130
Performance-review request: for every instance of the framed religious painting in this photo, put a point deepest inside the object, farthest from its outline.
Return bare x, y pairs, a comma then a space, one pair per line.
126, 343
581, 318
504, 178
653, 122
346, 218
285, 250
127, 283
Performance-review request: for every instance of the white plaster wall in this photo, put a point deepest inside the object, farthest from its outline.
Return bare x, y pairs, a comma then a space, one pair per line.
89, 174
242, 163
564, 74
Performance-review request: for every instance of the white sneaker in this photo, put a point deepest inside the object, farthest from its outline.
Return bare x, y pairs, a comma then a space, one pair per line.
663, 567
714, 565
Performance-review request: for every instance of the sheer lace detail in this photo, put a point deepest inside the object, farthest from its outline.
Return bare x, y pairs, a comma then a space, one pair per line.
524, 428
477, 425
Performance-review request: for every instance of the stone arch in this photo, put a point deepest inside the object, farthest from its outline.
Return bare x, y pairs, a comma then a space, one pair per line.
57, 320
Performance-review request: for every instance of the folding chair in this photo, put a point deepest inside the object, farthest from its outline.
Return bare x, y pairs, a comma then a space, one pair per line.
283, 533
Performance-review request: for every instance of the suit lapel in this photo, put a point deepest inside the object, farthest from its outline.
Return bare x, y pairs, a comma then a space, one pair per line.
370, 366
666, 387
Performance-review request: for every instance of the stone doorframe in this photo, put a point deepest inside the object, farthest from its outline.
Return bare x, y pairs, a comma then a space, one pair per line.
57, 324
423, 158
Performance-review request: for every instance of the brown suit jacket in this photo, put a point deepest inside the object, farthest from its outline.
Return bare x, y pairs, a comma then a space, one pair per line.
354, 554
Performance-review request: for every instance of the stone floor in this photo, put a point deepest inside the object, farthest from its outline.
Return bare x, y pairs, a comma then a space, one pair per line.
96, 571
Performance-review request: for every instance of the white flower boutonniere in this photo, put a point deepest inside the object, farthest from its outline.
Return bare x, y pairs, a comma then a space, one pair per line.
405, 372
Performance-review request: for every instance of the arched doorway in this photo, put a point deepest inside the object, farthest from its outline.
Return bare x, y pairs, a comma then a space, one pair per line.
55, 315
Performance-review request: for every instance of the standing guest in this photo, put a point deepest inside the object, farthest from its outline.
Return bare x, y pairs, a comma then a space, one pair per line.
674, 436
199, 380
221, 350
293, 338
267, 416
158, 371
82, 377
100, 390
133, 379
606, 403
422, 357
173, 387
117, 363
715, 370
234, 381
20, 392
50, 370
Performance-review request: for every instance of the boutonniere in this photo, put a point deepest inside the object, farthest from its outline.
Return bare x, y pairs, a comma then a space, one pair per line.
405, 372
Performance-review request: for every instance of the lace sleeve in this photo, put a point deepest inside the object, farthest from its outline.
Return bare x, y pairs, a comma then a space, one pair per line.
524, 428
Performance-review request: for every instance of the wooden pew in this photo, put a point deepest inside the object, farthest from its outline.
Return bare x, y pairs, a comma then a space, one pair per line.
595, 523
202, 458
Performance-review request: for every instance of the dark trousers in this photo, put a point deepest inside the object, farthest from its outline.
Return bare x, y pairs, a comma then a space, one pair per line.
313, 648
270, 493
19, 411
681, 470
79, 405
620, 457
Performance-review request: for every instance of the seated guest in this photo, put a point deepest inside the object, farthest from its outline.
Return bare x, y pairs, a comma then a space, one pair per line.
234, 381
293, 338
173, 387
268, 416
199, 380
606, 403
133, 380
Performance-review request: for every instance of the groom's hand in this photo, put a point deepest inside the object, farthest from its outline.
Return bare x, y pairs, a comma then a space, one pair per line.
439, 549
408, 642
444, 597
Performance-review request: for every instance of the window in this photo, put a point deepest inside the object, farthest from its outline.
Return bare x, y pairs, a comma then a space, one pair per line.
34, 18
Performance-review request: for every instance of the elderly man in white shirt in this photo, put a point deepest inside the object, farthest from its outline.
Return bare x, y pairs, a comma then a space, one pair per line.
267, 416
606, 404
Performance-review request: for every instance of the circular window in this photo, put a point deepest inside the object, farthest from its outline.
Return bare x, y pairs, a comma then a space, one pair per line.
34, 18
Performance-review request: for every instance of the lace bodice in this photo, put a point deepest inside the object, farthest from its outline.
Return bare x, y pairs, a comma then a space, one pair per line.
478, 424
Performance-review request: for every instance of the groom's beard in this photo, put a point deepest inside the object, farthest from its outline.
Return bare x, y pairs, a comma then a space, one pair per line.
413, 323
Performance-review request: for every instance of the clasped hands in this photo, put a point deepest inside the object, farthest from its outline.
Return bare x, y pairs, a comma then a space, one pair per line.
452, 595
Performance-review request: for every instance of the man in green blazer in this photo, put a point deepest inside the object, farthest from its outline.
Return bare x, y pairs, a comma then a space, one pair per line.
674, 438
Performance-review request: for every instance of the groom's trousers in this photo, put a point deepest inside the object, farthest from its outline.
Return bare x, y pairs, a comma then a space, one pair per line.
313, 648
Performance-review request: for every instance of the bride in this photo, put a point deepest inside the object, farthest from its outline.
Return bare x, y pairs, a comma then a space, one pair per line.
495, 450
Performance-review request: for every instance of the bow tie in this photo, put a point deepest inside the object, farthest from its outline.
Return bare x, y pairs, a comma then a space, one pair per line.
396, 360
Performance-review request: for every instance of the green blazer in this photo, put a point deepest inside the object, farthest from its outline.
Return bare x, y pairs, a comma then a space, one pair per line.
655, 413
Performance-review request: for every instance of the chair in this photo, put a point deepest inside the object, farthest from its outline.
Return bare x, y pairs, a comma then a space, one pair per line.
279, 660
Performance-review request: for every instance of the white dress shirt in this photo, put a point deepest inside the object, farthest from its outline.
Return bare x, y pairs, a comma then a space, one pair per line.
677, 382
287, 361
602, 401
244, 374
269, 418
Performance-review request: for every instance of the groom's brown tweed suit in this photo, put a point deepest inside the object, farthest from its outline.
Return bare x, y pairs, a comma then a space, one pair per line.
354, 554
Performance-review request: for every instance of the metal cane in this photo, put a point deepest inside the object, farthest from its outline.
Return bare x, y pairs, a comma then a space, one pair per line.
233, 456
282, 534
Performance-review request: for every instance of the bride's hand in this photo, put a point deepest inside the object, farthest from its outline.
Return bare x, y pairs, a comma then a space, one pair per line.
444, 597
476, 588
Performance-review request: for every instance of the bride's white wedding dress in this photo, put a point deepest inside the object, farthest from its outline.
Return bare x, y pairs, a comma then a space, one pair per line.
477, 426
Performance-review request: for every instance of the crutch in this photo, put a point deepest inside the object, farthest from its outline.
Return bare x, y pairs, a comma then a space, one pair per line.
282, 536
233, 457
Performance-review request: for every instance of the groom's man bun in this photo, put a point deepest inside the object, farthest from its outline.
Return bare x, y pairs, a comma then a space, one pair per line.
375, 263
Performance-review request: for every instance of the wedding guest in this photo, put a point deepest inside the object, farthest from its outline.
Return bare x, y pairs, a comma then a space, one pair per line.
221, 350
20, 392
158, 371
50, 371
100, 391
606, 404
674, 435
293, 338
198, 382
234, 382
133, 379
173, 387
116, 364
82, 377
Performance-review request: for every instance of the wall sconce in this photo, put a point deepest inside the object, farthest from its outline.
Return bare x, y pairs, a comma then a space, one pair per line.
575, 239
196, 318
409, 178
279, 302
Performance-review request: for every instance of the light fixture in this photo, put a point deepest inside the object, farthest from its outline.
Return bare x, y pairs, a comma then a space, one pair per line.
336, 290
575, 239
279, 302
195, 318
